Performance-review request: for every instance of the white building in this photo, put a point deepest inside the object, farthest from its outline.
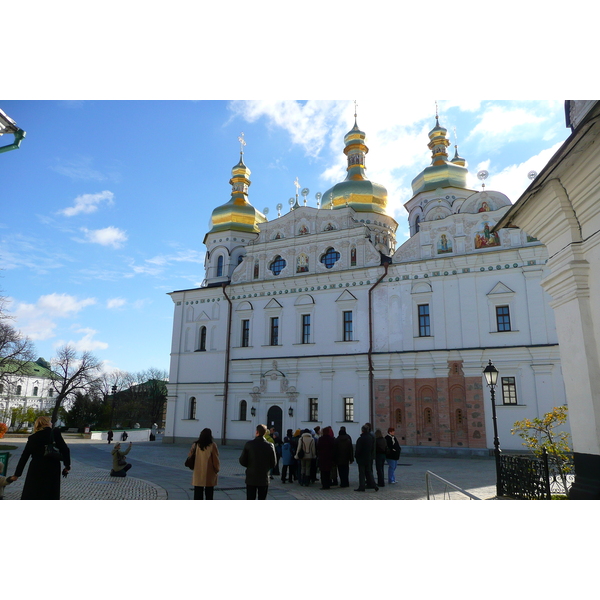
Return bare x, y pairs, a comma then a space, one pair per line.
30, 388
315, 318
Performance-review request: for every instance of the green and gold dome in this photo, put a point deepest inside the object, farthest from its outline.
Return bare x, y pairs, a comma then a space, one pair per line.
356, 190
442, 172
237, 214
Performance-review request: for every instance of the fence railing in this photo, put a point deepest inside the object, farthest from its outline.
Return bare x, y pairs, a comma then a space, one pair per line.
447, 485
532, 478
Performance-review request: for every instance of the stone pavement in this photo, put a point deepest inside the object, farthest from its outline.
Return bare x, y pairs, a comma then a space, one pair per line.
158, 473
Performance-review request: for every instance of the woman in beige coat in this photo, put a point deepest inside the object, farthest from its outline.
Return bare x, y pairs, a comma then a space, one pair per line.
206, 466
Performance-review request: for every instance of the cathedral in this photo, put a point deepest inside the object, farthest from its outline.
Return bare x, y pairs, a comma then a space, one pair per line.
317, 318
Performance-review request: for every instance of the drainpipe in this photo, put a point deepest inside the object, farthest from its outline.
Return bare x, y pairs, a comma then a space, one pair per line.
226, 386
19, 135
371, 376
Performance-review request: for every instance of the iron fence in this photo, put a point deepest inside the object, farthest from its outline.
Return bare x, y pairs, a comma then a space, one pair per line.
532, 478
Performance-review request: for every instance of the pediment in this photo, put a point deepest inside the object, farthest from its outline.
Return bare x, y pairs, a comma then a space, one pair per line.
346, 296
500, 288
304, 299
203, 317
273, 304
244, 306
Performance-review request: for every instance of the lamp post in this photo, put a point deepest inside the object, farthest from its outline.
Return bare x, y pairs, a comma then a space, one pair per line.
112, 408
491, 378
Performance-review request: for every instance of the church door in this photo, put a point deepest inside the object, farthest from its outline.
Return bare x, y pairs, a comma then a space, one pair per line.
275, 419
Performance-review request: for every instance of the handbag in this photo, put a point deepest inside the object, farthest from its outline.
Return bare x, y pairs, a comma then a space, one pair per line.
190, 461
51, 452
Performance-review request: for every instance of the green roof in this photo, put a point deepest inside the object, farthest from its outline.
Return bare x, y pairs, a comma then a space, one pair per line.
31, 369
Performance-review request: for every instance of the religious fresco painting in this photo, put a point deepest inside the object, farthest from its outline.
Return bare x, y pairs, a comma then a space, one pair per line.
485, 238
302, 264
444, 244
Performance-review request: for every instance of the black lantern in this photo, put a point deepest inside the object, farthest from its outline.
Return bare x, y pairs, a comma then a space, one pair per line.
491, 379
291, 411
253, 411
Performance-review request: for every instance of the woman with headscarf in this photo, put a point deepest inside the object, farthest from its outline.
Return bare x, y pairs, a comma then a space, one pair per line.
120, 465
206, 466
42, 481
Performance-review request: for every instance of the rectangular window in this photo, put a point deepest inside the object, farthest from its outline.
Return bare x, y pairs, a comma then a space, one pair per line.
347, 320
509, 390
349, 409
274, 341
502, 318
245, 333
313, 409
424, 328
306, 329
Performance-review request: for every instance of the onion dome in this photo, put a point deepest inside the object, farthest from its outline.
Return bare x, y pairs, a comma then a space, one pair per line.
442, 172
237, 214
356, 190
458, 160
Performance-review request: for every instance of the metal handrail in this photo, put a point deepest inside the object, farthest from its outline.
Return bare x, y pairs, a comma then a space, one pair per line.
455, 487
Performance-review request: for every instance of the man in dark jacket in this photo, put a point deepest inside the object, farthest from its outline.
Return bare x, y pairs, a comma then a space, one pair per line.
258, 456
364, 453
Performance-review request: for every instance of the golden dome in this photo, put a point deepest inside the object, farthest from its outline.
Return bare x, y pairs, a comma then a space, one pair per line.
237, 214
442, 172
356, 190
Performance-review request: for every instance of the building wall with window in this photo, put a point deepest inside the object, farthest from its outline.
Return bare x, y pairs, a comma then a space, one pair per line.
325, 322
30, 389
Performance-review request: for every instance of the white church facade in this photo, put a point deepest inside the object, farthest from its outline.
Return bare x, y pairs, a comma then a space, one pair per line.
317, 318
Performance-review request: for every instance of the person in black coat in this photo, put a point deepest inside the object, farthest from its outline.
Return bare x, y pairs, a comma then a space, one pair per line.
344, 456
364, 454
43, 475
258, 456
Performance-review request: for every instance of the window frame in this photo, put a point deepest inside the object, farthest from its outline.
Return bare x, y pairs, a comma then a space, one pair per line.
503, 320
348, 402
313, 409
347, 326
274, 331
509, 390
424, 327
305, 328
245, 333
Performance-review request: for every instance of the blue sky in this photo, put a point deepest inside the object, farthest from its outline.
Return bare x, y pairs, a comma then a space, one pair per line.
106, 203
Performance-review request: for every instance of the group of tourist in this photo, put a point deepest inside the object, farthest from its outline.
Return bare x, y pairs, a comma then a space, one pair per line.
304, 455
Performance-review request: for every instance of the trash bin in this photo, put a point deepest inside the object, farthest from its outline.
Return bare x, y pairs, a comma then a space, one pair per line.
4, 456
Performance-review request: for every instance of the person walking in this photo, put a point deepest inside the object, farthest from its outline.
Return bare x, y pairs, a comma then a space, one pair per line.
393, 454
325, 455
258, 456
42, 481
305, 454
120, 465
344, 456
380, 456
206, 465
365, 448
110, 435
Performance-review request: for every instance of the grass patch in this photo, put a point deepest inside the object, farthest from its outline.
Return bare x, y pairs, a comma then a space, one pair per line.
4, 447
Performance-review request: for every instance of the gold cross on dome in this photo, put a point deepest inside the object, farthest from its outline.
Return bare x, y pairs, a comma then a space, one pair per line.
355, 108
242, 142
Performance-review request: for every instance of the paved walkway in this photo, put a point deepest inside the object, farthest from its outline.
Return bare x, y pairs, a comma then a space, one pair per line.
158, 473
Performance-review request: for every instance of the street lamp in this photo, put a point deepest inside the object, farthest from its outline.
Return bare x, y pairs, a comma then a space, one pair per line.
112, 408
491, 378
291, 412
253, 411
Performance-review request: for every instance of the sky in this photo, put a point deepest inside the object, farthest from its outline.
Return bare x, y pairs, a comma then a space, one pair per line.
106, 203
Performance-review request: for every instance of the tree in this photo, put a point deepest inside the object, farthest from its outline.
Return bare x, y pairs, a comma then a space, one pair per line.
540, 434
20, 415
72, 373
83, 410
16, 350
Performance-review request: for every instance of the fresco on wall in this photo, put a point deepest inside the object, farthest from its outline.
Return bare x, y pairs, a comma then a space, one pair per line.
444, 244
485, 238
302, 264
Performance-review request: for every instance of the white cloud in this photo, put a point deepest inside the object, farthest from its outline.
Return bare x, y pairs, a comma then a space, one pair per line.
78, 168
86, 343
38, 320
112, 303
109, 236
87, 203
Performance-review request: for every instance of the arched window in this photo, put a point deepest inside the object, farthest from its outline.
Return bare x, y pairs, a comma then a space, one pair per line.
353, 256
277, 265
192, 411
35, 391
330, 257
202, 339
417, 224
220, 266
256, 270
19, 390
243, 410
